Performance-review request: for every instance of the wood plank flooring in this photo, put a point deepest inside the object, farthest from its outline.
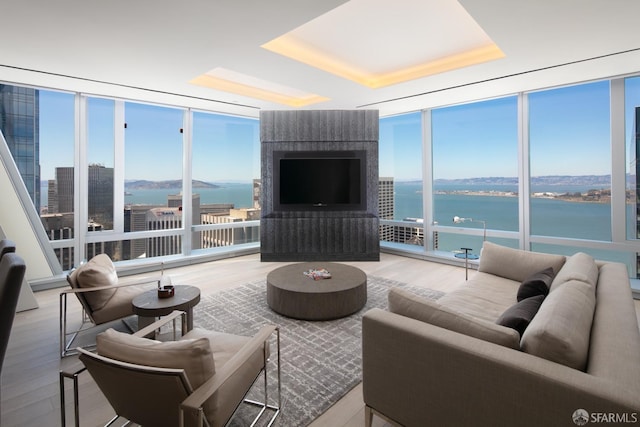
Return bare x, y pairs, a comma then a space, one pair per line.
30, 393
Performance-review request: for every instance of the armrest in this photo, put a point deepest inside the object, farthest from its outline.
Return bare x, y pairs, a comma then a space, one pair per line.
195, 401
419, 374
163, 321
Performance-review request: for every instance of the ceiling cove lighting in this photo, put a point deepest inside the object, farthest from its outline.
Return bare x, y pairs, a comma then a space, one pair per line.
245, 85
350, 41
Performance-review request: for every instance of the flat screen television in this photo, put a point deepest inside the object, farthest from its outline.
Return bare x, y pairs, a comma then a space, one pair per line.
319, 180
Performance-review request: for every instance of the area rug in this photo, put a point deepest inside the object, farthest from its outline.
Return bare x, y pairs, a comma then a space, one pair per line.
320, 360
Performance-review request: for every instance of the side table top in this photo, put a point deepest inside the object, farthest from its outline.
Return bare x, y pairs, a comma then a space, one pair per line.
148, 303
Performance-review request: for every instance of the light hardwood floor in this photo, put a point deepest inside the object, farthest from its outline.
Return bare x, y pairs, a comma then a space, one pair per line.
30, 385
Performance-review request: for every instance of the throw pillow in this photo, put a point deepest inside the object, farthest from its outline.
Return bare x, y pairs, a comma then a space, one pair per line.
519, 315
561, 330
99, 271
410, 305
536, 284
515, 264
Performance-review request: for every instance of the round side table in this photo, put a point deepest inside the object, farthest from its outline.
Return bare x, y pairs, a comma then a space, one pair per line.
148, 306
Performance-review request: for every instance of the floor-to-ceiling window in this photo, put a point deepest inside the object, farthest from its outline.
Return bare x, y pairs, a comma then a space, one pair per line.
39, 127
226, 180
100, 186
400, 180
475, 171
570, 161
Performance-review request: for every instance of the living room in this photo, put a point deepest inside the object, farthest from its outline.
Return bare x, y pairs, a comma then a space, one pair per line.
589, 72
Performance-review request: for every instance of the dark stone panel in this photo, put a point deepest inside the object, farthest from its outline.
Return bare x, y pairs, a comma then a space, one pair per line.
319, 235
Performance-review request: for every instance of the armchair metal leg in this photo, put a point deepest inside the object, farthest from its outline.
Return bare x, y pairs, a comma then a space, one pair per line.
265, 405
76, 408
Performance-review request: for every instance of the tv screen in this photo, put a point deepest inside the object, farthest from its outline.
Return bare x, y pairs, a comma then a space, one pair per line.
319, 180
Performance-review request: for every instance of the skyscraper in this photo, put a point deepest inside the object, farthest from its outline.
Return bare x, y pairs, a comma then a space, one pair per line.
20, 125
100, 195
386, 207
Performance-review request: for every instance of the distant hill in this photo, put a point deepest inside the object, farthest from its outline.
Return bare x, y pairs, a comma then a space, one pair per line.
594, 180
169, 185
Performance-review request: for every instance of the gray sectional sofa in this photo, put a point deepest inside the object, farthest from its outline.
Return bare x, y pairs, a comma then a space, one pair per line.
477, 356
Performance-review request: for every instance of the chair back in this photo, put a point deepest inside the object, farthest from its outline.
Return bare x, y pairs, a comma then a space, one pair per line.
73, 282
12, 270
6, 246
145, 395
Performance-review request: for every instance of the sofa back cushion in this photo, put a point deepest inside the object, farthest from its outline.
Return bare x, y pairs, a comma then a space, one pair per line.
516, 264
578, 266
407, 304
561, 329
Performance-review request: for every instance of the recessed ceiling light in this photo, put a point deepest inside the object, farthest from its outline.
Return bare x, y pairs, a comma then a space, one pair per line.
246, 85
356, 42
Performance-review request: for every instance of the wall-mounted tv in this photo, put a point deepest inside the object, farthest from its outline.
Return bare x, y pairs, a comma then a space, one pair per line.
314, 180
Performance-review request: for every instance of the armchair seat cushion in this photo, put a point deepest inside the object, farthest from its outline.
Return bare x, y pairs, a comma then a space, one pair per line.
119, 305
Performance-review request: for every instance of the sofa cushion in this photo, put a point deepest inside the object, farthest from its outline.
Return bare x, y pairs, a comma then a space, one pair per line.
536, 284
579, 266
410, 305
516, 264
99, 271
519, 315
561, 330
483, 296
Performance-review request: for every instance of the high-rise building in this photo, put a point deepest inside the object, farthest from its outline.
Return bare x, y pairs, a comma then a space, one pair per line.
64, 189
162, 219
20, 125
230, 236
175, 201
386, 207
100, 195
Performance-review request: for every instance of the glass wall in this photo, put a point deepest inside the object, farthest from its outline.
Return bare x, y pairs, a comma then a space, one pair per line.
39, 127
101, 159
400, 182
135, 159
475, 170
570, 161
226, 179
632, 149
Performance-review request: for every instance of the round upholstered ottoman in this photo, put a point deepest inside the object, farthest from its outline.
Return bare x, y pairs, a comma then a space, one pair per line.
293, 294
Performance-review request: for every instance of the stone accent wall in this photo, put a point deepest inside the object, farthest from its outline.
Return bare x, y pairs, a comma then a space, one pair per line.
317, 235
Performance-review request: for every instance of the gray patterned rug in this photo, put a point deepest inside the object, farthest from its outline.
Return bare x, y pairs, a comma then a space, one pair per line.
320, 360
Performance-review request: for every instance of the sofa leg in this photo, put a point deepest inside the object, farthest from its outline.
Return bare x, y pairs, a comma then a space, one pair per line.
368, 416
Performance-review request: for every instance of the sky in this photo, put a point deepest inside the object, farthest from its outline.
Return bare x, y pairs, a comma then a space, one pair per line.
569, 135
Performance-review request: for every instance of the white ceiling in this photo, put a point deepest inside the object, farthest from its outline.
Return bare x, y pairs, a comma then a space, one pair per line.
151, 49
